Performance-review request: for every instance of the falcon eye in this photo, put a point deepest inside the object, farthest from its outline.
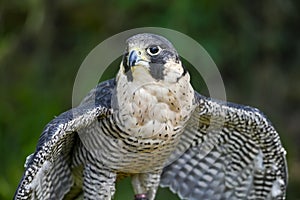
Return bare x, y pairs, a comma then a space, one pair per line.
153, 50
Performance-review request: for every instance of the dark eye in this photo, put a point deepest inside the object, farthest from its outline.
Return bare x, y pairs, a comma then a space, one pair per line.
153, 50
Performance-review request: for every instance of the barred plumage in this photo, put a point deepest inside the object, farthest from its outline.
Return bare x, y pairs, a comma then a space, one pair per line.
149, 123
242, 159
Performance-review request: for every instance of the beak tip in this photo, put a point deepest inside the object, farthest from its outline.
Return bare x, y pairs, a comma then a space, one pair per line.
133, 58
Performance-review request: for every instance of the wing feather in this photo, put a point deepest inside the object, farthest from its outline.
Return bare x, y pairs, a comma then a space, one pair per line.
47, 174
227, 151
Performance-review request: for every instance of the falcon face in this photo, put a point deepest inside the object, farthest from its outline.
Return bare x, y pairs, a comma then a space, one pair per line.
153, 56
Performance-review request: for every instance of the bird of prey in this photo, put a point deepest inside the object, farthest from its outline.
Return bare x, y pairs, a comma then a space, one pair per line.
149, 123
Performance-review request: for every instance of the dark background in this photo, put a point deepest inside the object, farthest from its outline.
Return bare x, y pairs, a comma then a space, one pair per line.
255, 45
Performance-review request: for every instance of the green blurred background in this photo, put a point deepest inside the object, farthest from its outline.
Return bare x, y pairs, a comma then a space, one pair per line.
255, 45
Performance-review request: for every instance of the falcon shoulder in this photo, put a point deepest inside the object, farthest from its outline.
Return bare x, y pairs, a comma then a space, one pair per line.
227, 151
47, 174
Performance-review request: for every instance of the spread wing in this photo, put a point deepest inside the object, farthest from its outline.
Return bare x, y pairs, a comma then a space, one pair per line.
227, 151
47, 174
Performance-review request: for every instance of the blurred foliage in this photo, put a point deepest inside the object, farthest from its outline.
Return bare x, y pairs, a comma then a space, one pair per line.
255, 44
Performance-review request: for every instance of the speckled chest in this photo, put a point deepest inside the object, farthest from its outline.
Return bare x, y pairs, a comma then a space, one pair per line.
147, 107
145, 127
150, 117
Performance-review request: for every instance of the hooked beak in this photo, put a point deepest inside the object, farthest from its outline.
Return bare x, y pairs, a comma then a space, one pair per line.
135, 58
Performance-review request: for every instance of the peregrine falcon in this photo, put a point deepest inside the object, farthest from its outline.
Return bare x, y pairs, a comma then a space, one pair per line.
149, 123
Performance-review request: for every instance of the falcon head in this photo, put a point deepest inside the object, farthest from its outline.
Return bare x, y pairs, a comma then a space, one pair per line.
153, 90
149, 56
